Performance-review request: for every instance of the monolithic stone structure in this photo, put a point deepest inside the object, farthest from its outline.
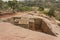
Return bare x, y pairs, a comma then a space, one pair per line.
33, 23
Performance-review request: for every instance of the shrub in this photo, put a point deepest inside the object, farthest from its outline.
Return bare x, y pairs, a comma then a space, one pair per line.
24, 8
51, 12
45, 12
58, 18
41, 9
27, 8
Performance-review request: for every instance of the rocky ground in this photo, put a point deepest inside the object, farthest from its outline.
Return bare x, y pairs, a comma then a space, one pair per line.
9, 31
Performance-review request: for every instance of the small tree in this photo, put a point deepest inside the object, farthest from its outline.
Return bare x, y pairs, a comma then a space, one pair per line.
12, 4
51, 12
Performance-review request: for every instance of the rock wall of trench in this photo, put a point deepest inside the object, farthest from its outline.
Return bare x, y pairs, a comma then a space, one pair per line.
38, 25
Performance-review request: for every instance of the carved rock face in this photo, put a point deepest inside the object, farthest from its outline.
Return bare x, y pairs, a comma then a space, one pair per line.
41, 26
36, 24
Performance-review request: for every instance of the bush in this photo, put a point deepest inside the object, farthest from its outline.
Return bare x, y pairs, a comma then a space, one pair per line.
45, 12
25, 8
19, 9
51, 12
41, 9
58, 18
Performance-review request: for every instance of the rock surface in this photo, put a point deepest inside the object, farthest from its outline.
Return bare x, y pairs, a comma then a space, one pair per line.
11, 32
36, 22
